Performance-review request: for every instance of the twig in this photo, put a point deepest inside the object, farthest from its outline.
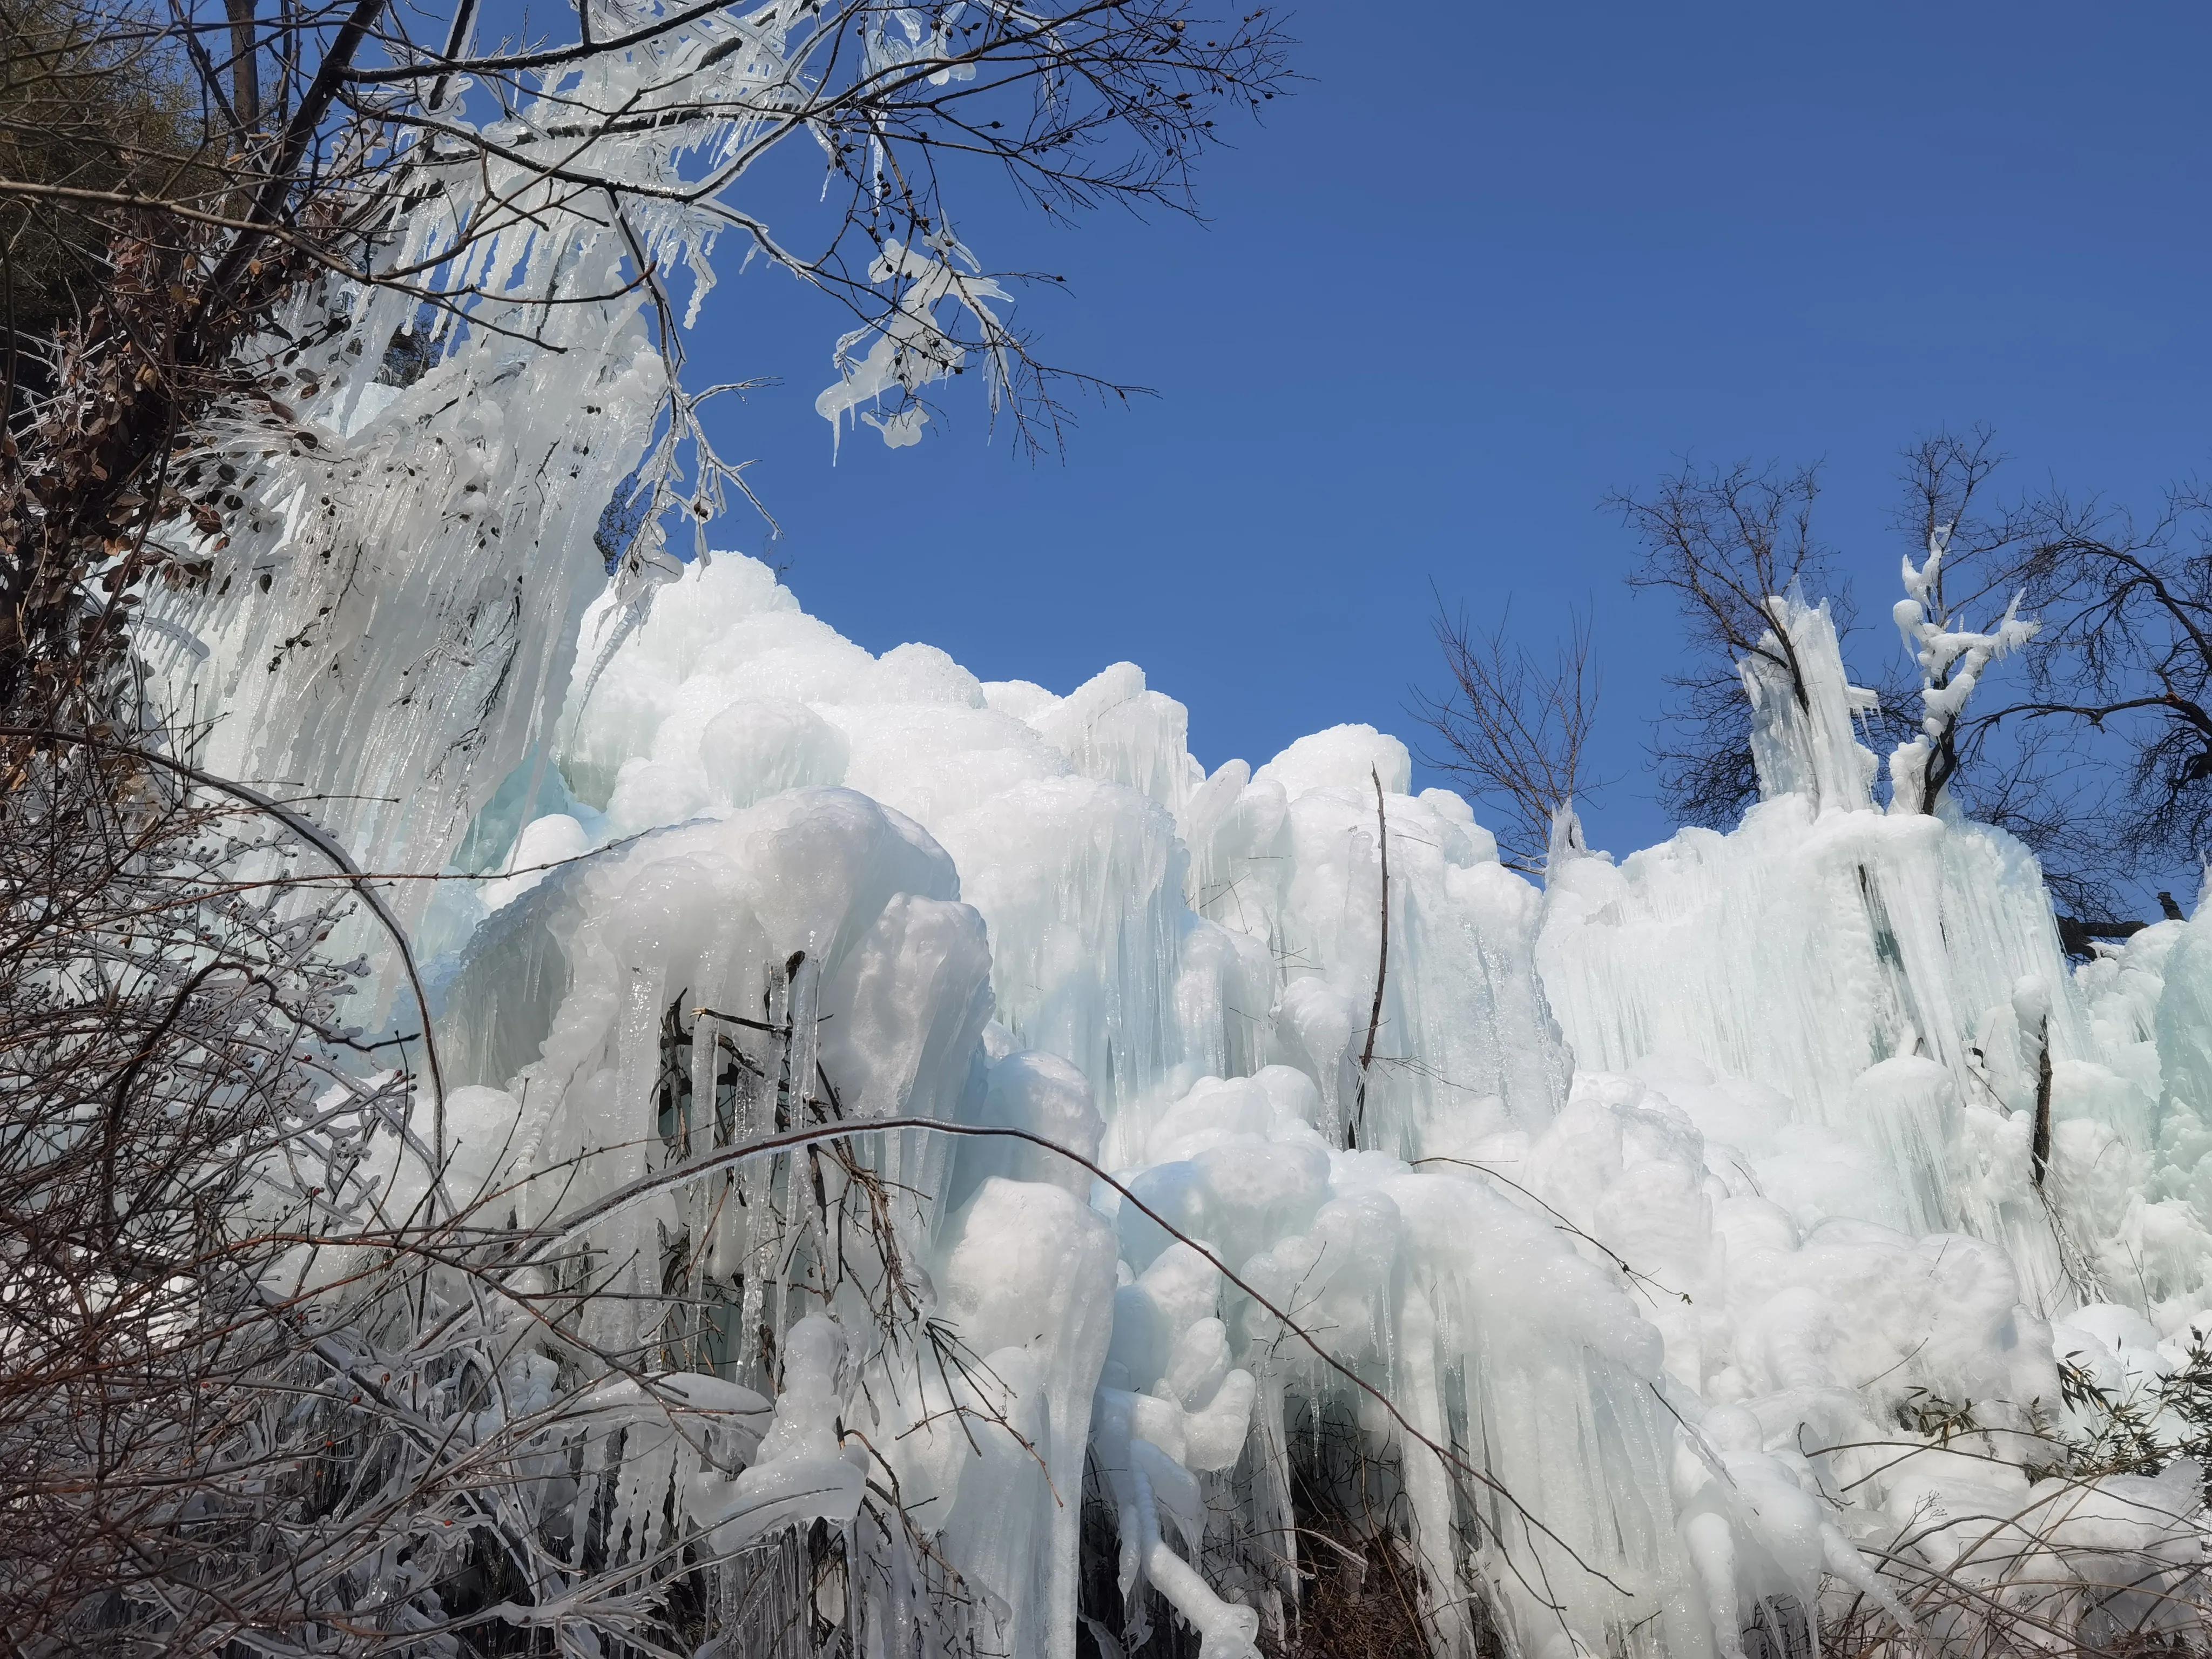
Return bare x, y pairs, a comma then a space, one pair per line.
636, 1191
1382, 966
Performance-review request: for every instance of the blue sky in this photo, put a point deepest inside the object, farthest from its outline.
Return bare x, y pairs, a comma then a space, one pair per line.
1489, 263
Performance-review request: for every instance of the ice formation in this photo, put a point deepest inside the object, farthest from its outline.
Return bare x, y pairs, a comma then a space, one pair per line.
1671, 1190
1627, 1223
1685, 1247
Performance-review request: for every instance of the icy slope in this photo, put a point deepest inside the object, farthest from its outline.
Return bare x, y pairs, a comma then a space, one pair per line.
1664, 1193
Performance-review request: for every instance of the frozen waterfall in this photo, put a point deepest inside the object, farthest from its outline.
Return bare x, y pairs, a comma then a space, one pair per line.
1671, 1190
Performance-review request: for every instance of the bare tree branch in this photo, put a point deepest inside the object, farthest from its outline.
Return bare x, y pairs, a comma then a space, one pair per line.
1510, 731
1723, 542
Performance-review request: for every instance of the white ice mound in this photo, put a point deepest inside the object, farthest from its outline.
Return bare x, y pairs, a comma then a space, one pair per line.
1203, 1179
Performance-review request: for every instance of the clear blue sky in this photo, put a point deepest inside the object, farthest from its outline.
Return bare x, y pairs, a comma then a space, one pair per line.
1488, 263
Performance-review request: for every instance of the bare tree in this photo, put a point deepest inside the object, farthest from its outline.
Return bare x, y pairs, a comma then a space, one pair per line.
1944, 477
1972, 548
165, 1031
86, 108
2122, 672
1944, 480
2102, 768
1512, 731
275, 1378
1725, 543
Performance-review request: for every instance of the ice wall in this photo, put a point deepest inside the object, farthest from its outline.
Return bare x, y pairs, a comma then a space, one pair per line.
1622, 1227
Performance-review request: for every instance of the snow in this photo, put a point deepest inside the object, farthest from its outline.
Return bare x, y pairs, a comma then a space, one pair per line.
1681, 1183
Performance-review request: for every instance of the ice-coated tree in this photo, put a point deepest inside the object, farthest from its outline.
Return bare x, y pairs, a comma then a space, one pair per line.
1952, 660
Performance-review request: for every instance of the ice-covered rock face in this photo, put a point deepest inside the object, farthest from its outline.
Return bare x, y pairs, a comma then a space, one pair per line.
1674, 1304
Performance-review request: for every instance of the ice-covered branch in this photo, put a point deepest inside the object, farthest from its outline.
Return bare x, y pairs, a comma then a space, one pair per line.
1951, 660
